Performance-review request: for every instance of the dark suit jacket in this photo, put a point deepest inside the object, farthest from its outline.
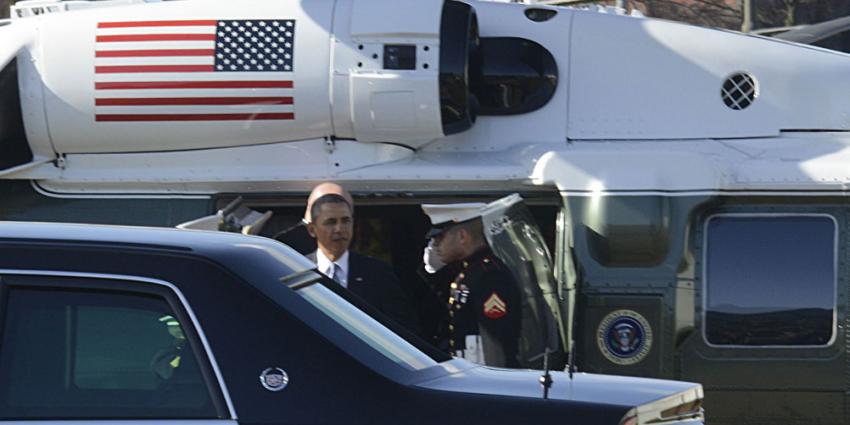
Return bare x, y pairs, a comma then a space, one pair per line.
298, 238
374, 282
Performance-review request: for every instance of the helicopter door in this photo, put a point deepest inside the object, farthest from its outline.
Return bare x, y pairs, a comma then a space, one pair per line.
516, 240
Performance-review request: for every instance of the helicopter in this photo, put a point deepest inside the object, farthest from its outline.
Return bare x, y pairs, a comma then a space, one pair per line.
686, 188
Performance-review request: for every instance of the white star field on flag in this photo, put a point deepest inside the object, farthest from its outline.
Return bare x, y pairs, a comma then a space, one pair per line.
254, 45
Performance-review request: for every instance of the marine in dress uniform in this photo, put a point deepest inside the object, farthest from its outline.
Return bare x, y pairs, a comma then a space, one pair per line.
483, 303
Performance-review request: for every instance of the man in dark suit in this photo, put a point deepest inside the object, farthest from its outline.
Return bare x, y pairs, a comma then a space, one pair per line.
331, 225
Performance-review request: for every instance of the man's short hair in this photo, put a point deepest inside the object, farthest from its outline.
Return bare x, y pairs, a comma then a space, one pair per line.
331, 198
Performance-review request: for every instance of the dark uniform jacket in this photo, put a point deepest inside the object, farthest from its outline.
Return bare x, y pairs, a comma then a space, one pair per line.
484, 309
374, 282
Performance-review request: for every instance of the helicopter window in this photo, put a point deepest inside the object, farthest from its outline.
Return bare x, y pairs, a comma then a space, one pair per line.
628, 231
515, 76
770, 280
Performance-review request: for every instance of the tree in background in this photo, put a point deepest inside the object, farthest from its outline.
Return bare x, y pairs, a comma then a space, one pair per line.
786, 13
707, 13
729, 13
714, 13
4, 8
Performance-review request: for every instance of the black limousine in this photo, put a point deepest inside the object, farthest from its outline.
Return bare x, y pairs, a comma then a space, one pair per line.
118, 323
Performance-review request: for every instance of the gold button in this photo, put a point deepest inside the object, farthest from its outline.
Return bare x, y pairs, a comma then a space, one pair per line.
451, 327
461, 276
454, 285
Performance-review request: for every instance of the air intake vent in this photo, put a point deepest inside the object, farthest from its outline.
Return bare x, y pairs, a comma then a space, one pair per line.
14, 149
739, 91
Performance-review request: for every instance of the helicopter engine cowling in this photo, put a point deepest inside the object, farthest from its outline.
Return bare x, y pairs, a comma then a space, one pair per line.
191, 75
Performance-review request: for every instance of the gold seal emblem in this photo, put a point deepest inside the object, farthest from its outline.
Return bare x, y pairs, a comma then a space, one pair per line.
624, 337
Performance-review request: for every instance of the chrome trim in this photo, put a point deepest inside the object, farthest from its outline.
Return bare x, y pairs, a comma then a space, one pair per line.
703, 273
186, 306
298, 280
112, 195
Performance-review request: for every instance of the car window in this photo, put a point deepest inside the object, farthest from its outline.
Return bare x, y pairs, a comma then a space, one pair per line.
96, 355
770, 280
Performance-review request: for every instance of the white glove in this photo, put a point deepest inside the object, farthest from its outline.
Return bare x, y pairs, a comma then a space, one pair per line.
430, 259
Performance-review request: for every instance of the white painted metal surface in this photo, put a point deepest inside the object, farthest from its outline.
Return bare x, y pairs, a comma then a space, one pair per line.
663, 130
373, 104
793, 162
15, 36
673, 75
801, 163
72, 51
69, 80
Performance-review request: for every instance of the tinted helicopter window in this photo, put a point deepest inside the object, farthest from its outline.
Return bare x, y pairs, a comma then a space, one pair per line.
515, 76
770, 280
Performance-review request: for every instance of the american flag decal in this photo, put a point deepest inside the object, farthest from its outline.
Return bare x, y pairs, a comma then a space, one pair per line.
194, 70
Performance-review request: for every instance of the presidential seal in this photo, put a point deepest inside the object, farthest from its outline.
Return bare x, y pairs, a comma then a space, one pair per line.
624, 337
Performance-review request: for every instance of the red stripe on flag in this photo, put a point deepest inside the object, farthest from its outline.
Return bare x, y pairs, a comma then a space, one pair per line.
154, 37
151, 68
152, 53
194, 117
184, 23
166, 101
142, 85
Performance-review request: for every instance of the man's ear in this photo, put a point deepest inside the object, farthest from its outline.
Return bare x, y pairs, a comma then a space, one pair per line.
311, 229
462, 236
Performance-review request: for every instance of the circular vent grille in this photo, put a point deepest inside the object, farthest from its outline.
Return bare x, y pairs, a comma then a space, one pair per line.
739, 91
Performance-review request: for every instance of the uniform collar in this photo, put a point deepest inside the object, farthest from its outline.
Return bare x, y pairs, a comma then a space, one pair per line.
482, 255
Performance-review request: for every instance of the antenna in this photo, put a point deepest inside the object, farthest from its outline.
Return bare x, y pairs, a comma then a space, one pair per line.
546, 378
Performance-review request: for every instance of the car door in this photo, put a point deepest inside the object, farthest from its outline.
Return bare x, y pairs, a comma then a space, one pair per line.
97, 347
515, 238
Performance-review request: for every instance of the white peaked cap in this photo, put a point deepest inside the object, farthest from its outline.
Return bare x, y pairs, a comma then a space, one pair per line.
446, 214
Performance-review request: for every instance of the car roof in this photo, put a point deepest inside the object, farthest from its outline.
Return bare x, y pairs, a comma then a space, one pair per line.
220, 246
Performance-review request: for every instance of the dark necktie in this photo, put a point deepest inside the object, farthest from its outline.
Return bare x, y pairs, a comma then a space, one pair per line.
337, 274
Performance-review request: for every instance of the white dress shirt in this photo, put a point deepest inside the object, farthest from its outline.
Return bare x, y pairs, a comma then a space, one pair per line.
326, 266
